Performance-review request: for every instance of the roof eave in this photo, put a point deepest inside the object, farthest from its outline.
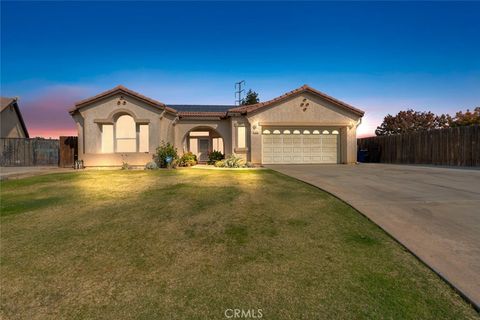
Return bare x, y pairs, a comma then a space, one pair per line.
20, 117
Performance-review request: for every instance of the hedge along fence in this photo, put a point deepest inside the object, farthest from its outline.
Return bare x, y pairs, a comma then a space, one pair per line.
458, 146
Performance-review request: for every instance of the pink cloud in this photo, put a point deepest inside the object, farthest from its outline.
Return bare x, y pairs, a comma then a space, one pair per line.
46, 113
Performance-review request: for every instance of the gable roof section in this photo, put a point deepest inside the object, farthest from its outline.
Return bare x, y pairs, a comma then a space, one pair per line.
304, 88
124, 90
209, 111
5, 103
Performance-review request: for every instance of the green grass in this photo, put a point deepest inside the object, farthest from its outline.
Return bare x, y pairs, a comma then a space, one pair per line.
189, 244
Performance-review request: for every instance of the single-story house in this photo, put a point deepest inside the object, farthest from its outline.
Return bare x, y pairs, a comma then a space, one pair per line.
12, 124
301, 126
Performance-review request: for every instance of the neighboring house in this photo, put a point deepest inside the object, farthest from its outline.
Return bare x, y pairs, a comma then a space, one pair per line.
301, 126
12, 124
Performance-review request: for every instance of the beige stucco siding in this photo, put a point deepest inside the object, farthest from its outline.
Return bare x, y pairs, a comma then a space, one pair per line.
10, 124
222, 127
90, 118
304, 109
318, 112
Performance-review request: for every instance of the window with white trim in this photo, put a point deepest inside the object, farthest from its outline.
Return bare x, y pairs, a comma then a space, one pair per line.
107, 138
241, 137
124, 136
143, 138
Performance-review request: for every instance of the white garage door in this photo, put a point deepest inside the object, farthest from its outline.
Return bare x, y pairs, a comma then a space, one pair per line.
299, 146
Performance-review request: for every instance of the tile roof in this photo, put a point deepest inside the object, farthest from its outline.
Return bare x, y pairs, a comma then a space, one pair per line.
201, 114
304, 88
216, 111
125, 90
201, 107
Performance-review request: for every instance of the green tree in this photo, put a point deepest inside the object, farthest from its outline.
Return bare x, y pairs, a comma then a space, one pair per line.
250, 98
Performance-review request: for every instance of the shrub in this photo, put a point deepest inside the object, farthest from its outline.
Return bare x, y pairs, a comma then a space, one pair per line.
125, 166
232, 161
215, 156
249, 165
152, 165
187, 160
219, 164
164, 151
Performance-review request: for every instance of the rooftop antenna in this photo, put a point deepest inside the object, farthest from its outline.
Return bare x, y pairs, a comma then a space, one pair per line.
239, 90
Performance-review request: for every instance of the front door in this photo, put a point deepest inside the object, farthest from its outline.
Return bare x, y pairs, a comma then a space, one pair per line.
203, 146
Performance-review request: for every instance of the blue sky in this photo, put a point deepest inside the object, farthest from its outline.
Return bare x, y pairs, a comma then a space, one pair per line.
380, 57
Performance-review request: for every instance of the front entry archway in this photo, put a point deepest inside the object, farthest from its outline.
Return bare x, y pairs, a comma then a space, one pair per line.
203, 140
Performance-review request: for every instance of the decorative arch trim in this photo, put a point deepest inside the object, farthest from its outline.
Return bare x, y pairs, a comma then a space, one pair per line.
112, 117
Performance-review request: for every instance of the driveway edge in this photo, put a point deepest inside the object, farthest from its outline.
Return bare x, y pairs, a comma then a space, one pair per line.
465, 297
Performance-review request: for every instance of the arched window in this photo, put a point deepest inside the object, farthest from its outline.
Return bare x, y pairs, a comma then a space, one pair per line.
286, 131
325, 132
266, 131
316, 132
335, 132
276, 131
296, 131
125, 134
306, 131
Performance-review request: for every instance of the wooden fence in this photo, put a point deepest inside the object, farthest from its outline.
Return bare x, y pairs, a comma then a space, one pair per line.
28, 152
68, 151
450, 147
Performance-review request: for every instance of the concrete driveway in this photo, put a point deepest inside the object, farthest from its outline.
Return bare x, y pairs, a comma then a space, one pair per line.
435, 212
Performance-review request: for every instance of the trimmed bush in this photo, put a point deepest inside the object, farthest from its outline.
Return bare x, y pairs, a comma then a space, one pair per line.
152, 165
187, 160
232, 161
220, 164
164, 151
215, 156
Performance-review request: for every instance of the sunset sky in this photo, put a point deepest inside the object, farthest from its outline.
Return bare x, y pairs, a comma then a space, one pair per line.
379, 57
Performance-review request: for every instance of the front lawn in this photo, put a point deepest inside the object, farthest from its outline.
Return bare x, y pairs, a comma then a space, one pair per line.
189, 244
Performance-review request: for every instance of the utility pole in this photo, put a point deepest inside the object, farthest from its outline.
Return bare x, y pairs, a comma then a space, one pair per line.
239, 90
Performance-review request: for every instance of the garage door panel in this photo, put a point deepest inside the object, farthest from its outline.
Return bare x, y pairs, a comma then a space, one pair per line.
300, 148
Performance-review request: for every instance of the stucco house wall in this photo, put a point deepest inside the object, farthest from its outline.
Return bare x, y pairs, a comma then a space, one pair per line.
90, 118
183, 127
11, 121
301, 108
319, 113
11, 127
